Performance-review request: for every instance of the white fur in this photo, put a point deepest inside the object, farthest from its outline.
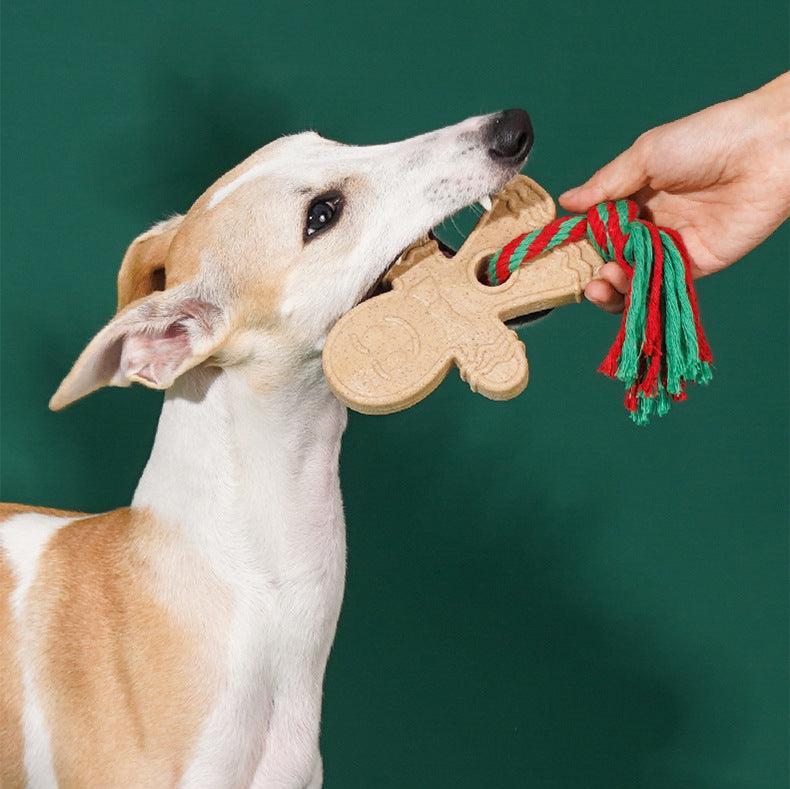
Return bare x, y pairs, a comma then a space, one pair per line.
22, 539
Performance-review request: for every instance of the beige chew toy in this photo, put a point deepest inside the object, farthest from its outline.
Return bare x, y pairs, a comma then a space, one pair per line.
391, 351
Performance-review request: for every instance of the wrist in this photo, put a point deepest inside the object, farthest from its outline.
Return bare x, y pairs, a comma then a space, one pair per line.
769, 107
767, 112
774, 103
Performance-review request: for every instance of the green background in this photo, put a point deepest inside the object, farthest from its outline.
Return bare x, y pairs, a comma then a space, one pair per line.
539, 593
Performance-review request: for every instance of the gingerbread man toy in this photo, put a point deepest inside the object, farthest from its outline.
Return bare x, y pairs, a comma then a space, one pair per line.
393, 350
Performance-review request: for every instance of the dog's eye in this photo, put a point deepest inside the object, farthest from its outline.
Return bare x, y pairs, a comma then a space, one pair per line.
322, 213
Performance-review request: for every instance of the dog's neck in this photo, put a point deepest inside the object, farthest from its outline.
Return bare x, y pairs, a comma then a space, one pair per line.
246, 473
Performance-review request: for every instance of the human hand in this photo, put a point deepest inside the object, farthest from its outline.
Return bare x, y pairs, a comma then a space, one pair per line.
720, 177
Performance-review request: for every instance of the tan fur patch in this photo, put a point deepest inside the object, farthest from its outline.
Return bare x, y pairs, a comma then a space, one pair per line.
124, 686
12, 748
143, 267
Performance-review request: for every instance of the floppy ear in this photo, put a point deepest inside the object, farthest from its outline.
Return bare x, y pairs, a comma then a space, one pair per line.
143, 268
151, 342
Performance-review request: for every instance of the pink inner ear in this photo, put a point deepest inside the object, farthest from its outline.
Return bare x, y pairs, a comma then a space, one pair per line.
155, 357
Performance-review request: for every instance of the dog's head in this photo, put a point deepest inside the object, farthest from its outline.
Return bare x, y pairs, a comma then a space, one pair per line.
271, 255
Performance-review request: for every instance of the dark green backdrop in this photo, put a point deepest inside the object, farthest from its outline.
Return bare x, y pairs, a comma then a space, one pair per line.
539, 593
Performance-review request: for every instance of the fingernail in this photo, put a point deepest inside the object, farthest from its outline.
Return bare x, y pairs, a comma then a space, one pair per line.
569, 193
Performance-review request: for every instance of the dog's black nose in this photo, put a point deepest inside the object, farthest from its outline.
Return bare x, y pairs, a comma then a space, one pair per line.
510, 136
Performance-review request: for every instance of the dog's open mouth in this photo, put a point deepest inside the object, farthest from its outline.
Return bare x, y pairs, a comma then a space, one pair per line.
400, 262
412, 255
384, 282
404, 260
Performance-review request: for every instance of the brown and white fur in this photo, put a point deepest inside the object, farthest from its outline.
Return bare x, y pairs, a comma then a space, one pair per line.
182, 641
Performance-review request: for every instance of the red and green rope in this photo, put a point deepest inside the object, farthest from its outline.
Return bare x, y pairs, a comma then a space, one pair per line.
660, 346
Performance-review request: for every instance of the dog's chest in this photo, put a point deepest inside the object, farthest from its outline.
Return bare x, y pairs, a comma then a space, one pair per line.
286, 595
291, 590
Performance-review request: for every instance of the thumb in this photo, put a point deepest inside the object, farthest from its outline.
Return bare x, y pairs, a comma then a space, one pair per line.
622, 177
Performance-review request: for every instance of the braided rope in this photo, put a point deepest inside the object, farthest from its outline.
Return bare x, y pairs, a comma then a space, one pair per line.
661, 346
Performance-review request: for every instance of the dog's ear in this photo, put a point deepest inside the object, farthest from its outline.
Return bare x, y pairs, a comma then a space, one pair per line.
152, 342
143, 268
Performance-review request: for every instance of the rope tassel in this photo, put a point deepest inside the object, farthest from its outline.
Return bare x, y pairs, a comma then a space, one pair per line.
660, 346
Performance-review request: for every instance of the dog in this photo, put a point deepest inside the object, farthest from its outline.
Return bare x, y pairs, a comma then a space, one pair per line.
182, 641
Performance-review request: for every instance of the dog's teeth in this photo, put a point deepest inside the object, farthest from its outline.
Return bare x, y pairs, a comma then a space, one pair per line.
486, 202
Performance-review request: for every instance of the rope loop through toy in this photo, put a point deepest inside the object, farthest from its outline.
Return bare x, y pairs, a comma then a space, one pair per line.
661, 346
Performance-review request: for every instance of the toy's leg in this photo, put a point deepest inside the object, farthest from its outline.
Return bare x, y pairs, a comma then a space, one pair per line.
496, 366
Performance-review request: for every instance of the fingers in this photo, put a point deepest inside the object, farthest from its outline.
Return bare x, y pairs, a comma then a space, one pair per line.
609, 289
603, 295
622, 177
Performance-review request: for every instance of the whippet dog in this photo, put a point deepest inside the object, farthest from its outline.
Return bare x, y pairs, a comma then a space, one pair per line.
182, 641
